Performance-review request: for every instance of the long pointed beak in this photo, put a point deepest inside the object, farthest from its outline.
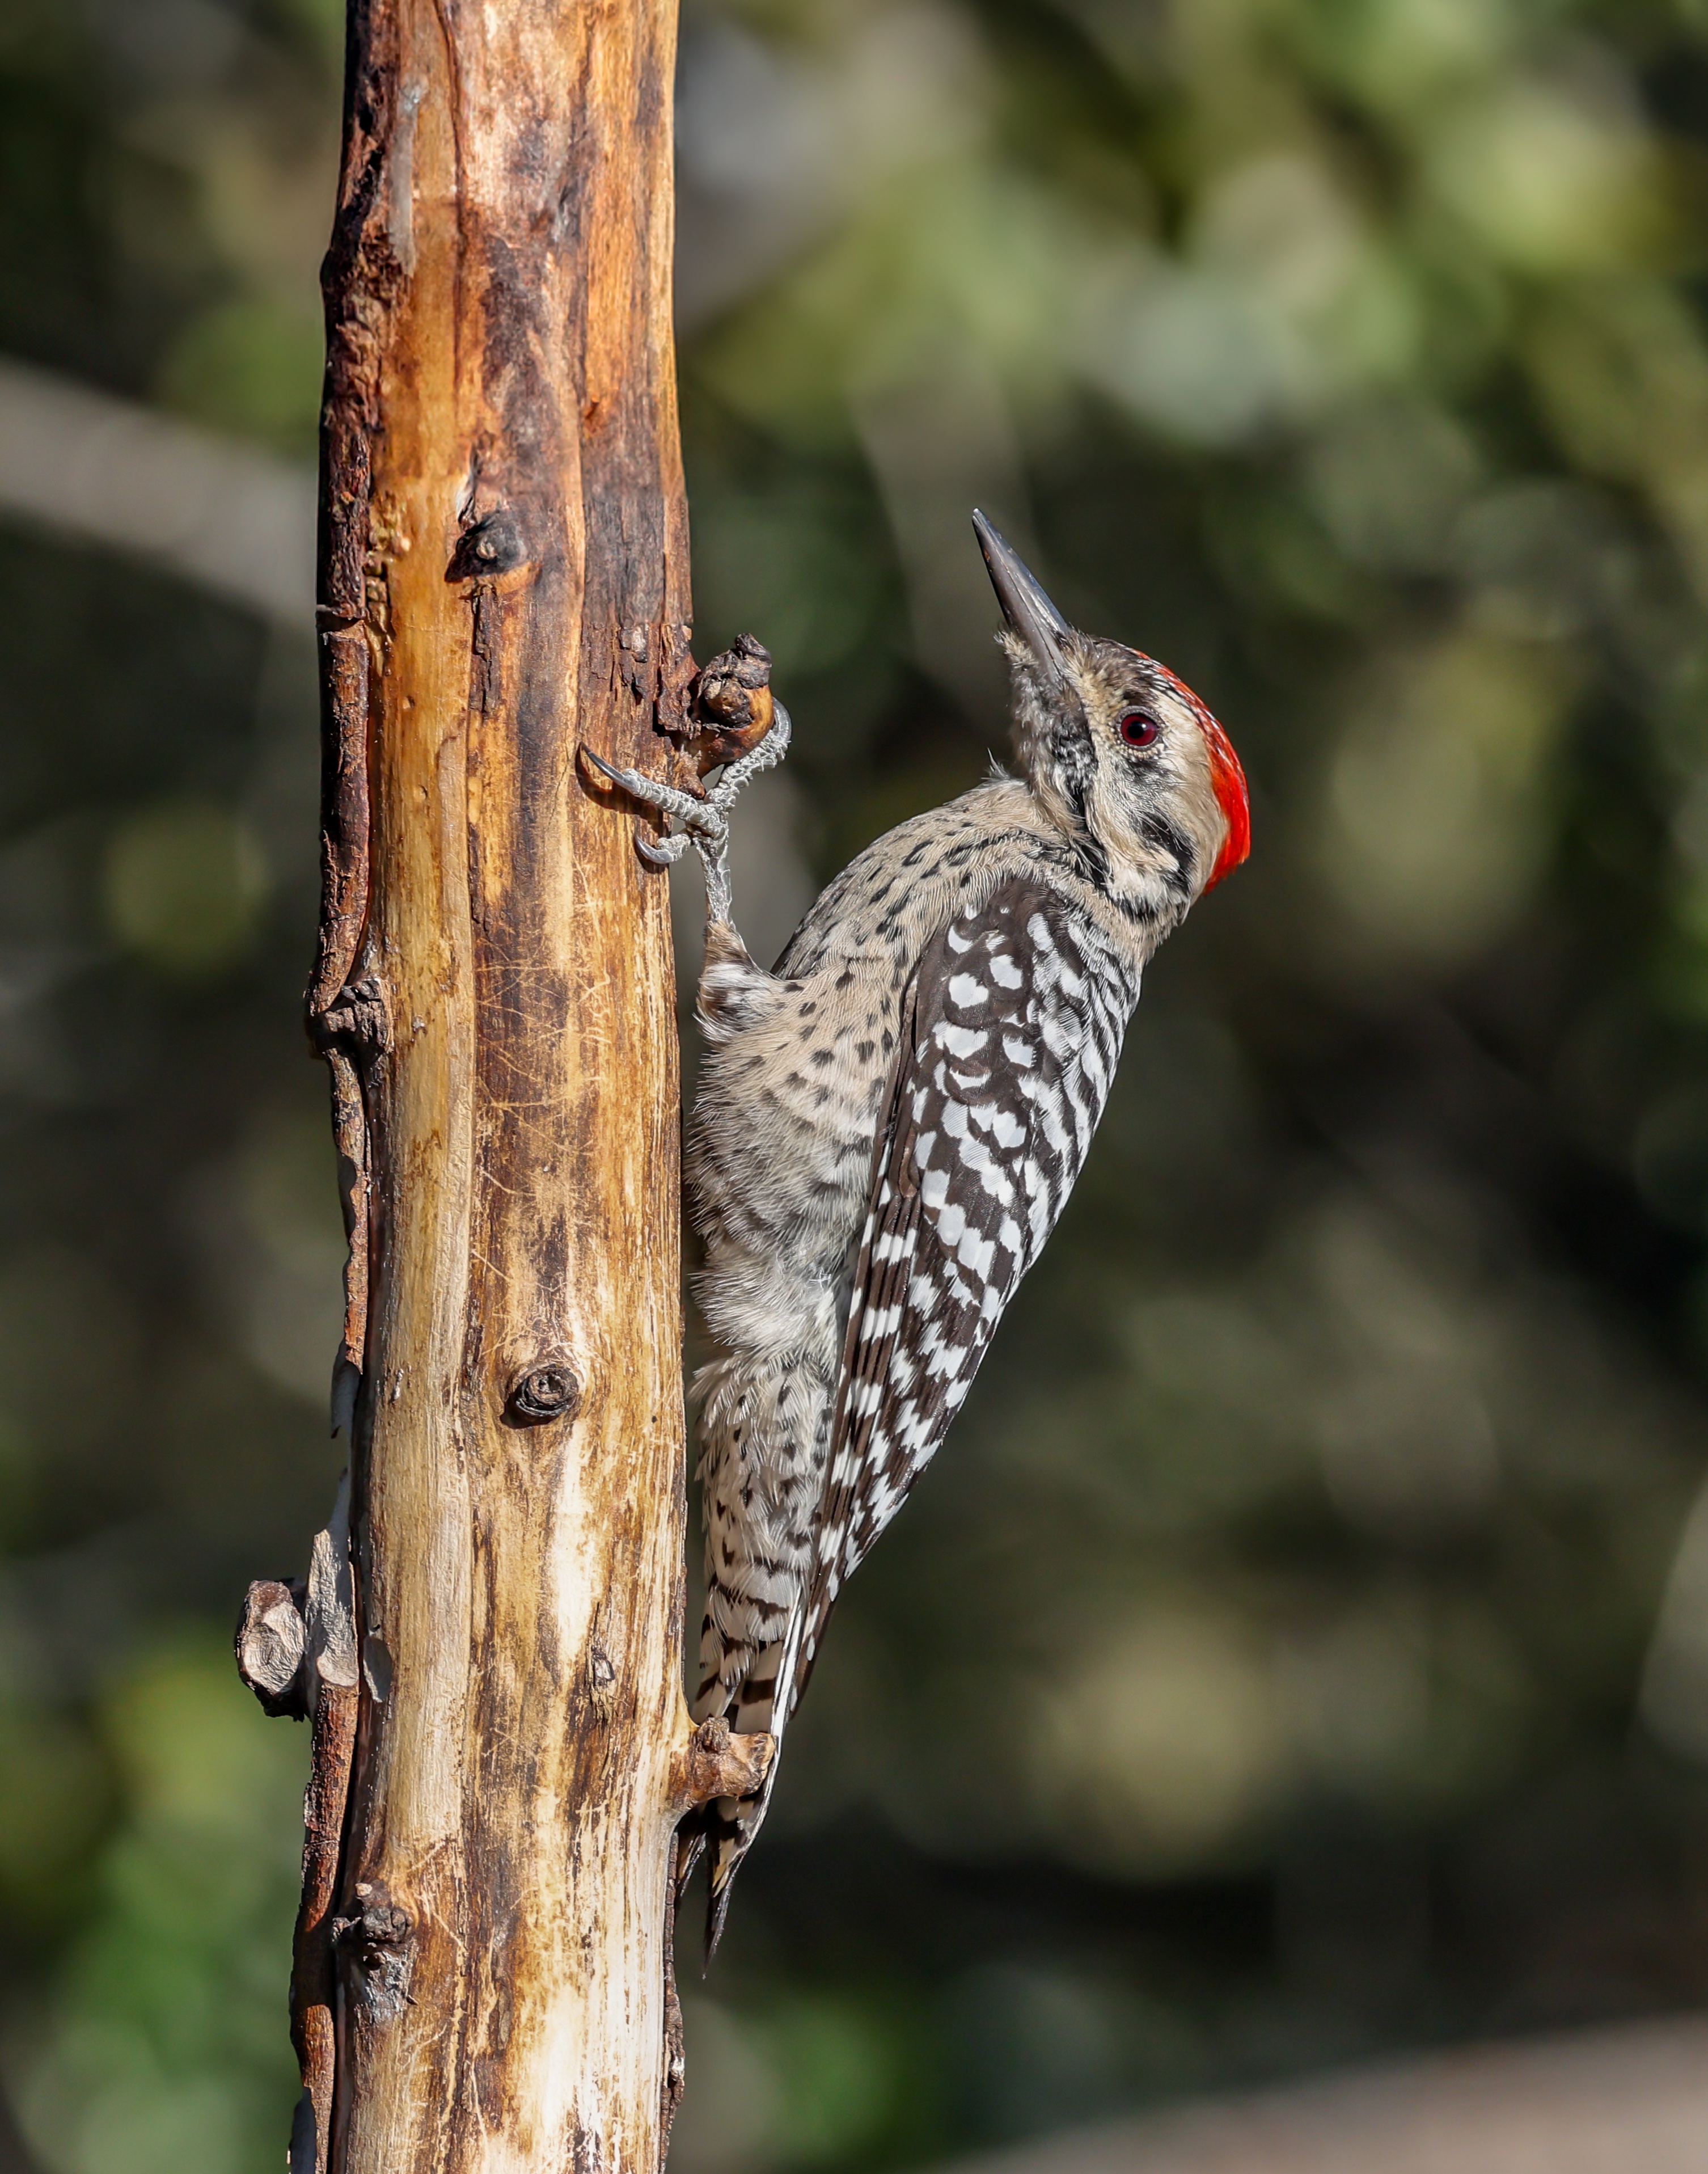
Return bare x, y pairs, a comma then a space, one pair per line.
1024, 605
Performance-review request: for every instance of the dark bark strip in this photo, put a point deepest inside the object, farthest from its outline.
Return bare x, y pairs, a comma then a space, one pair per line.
312, 1988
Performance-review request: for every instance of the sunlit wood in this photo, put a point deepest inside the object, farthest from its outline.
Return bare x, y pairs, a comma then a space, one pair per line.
504, 576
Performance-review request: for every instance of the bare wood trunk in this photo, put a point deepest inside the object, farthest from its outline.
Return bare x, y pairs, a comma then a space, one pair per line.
503, 574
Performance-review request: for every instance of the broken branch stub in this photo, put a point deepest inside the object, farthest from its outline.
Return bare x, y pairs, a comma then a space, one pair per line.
297, 1650
270, 1643
716, 1762
733, 707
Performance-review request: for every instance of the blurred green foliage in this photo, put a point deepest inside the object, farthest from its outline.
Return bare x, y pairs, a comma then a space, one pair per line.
161, 2047
1269, 1672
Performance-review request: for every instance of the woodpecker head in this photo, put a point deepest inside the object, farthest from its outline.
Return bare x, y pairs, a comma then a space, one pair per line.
1128, 762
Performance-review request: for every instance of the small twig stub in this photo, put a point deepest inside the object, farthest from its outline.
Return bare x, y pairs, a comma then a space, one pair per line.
270, 1644
719, 1763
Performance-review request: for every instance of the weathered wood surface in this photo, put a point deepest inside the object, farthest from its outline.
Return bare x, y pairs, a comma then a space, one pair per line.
503, 574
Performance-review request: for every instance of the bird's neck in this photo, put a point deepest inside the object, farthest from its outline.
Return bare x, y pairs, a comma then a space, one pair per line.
1134, 886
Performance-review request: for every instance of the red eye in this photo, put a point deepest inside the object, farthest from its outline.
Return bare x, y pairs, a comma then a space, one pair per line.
1137, 729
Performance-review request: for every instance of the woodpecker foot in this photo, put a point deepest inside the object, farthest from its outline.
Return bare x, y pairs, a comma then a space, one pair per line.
700, 819
704, 822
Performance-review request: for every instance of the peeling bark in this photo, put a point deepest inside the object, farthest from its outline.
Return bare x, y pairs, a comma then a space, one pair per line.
270, 1644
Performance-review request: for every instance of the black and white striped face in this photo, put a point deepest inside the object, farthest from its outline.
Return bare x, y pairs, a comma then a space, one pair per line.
1115, 749
1120, 755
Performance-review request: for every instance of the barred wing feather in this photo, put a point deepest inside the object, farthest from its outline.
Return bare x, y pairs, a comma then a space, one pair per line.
1010, 1038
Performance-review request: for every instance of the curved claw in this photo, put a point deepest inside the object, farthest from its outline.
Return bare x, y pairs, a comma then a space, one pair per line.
628, 778
660, 853
668, 799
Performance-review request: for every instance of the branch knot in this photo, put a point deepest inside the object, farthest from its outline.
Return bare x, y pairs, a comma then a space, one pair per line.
718, 1763
549, 1389
358, 1018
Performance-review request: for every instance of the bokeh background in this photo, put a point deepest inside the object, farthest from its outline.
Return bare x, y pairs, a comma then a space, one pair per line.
1301, 1651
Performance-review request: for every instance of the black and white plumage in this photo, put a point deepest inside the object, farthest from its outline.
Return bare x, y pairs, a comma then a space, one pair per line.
1011, 1034
890, 1122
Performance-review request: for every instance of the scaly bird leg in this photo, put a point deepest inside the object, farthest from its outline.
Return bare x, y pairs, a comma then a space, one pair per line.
704, 823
